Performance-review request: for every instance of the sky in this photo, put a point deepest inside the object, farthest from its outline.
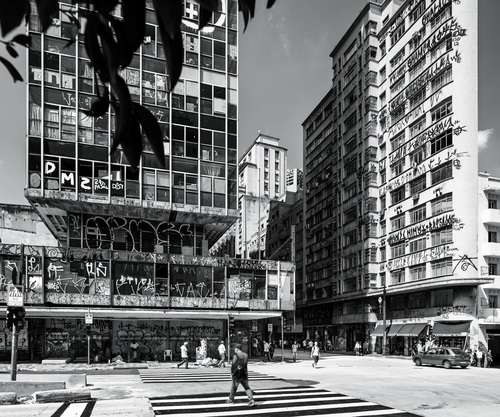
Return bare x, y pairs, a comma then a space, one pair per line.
284, 71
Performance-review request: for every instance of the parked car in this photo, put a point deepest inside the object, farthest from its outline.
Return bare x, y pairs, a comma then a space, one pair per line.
446, 357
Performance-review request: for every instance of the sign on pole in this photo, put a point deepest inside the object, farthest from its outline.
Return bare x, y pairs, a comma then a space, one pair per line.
89, 318
270, 327
15, 296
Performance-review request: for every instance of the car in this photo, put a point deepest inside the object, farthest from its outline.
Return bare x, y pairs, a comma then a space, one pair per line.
443, 356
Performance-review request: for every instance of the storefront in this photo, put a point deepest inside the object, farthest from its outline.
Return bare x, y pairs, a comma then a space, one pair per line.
452, 334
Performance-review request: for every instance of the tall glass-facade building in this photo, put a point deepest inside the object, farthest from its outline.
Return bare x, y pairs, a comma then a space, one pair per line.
134, 245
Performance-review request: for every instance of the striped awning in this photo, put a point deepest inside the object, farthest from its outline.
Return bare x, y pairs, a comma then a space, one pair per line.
412, 329
395, 328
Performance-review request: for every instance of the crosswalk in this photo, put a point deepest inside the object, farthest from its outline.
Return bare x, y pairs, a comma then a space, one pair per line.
277, 402
196, 375
107, 381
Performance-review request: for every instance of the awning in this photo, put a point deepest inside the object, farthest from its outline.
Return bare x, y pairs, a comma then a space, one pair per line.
379, 330
395, 328
412, 329
451, 329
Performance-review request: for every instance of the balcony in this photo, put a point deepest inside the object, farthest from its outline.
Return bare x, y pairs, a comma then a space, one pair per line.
490, 249
491, 217
489, 315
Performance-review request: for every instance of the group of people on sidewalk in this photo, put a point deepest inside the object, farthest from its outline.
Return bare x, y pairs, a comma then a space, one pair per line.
481, 358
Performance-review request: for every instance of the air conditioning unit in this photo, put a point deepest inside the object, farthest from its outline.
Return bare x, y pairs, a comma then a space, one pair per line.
147, 40
416, 196
56, 22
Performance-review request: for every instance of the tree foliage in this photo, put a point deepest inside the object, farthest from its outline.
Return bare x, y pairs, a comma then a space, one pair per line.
110, 43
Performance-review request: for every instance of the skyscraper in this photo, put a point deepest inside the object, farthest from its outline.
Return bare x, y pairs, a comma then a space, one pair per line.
134, 244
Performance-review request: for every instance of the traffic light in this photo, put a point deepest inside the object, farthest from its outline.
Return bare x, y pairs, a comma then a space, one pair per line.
231, 321
10, 317
19, 317
284, 321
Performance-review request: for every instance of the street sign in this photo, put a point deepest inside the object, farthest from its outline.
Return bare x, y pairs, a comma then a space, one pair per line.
89, 318
15, 296
270, 327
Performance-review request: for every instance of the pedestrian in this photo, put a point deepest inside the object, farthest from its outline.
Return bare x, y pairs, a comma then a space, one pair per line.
357, 348
255, 346
488, 359
184, 355
479, 356
134, 351
304, 344
365, 347
315, 354
267, 354
239, 375
222, 354
272, 347
295, 347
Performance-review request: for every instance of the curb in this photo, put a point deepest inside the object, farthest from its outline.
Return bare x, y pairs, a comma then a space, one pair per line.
62, 395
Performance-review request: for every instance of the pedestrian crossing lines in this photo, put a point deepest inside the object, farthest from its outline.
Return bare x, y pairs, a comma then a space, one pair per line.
112, 380
196, 375
278, 402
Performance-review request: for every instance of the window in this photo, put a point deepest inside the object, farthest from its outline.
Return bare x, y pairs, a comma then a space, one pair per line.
441, 141
417, 185
383, 254
442, 204
418, 214
417, 12
397, 141
442, 173
492, 270
442, 267
441, 298
417, 245
492, 236
417, 127
418, 156
383, 48
397, 33
398, 195
398, 222
418, 98
442, 79
383, 75
441, 17
492, 204
398, 250
442, 236
397, 168
417, 272
441, 110
398, 277
383, 99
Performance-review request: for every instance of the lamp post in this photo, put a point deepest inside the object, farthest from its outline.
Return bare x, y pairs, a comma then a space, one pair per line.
382, 302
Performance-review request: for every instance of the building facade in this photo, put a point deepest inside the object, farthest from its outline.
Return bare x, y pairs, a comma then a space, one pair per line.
134, 245
394, 143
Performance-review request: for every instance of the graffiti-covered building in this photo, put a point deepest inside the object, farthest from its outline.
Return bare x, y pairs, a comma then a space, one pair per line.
134, 245
395, 140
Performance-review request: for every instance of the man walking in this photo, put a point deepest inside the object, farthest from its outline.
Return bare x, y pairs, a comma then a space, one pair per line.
222, 354
184, 355
239, 375
315, 354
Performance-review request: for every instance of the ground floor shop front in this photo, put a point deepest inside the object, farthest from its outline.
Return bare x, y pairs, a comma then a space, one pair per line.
138, 339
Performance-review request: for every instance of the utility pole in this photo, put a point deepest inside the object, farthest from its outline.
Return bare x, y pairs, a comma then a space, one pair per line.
384, 323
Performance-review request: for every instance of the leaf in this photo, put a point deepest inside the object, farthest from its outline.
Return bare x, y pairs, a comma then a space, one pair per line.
123, 40
173, 47
134, 19
270, 3
11, 50
129, 139
247, 7
11, 14
13, 71
152, 130
23, 40
207, 8
100, 106
93, 47
123, 110
169, 15
46, 9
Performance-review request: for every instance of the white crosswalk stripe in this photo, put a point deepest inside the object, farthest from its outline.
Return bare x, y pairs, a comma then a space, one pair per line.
112, 380
195, 375
279, 402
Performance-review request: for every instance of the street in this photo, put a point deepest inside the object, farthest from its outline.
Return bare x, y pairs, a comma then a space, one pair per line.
365, 385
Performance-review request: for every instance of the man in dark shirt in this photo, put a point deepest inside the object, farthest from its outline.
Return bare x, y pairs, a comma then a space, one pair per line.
239, 375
